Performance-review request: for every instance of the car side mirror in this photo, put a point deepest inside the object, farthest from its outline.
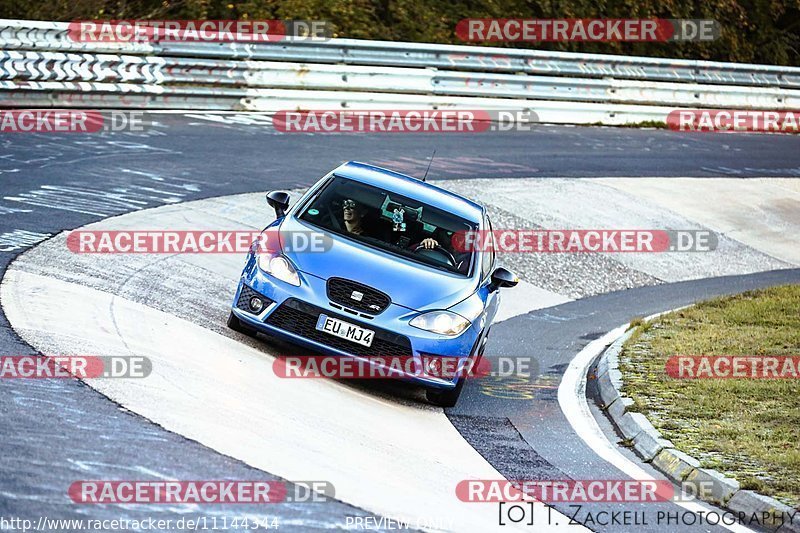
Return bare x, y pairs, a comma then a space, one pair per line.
279, 201
503, 278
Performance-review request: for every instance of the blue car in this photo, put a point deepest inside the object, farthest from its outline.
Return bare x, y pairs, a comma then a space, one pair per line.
386, 280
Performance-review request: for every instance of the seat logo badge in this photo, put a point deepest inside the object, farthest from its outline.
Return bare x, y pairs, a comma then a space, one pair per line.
357, 296
375, 307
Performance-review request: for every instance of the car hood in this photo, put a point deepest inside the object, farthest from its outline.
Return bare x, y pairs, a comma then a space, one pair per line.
409, 284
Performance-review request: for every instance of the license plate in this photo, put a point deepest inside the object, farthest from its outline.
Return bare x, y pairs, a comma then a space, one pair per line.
345, 330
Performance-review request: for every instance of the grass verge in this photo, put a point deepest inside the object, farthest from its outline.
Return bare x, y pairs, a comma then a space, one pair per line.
748, 429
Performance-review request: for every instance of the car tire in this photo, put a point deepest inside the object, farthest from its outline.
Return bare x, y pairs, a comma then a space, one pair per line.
445, 398
236, 325
449, 398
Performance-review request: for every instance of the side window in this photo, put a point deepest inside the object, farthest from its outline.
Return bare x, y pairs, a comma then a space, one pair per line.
311, 194
488, 255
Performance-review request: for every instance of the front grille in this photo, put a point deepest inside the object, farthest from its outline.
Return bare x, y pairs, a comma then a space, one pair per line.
300, 318
372, 301
243, 302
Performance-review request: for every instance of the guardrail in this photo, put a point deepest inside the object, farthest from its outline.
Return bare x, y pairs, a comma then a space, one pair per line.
41, 66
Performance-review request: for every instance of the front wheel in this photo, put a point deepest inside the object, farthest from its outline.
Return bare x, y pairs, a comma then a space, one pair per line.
449, 398
236, 325
445, 398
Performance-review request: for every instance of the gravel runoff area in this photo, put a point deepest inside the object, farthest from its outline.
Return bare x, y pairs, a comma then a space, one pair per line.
746, 428
575, 275
568, 203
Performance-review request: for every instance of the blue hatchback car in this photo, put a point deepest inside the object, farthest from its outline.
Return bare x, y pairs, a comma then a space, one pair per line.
389, 282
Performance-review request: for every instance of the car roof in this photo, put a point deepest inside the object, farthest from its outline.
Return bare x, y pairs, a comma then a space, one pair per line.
411, 187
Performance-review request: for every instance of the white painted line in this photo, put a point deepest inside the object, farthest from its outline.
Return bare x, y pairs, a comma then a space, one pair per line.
574, 405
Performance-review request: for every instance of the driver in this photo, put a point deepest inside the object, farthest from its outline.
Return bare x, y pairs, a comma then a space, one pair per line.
353, 214
440, 238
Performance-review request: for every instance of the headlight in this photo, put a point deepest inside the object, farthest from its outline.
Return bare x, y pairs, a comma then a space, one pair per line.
279, 267
441, 322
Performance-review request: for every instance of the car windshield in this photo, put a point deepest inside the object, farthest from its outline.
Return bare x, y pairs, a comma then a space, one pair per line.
394, 223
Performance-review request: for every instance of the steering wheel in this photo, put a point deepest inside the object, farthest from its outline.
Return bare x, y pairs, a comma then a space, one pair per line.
447, 255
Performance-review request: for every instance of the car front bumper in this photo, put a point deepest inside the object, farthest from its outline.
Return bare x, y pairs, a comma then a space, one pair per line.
291, 310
